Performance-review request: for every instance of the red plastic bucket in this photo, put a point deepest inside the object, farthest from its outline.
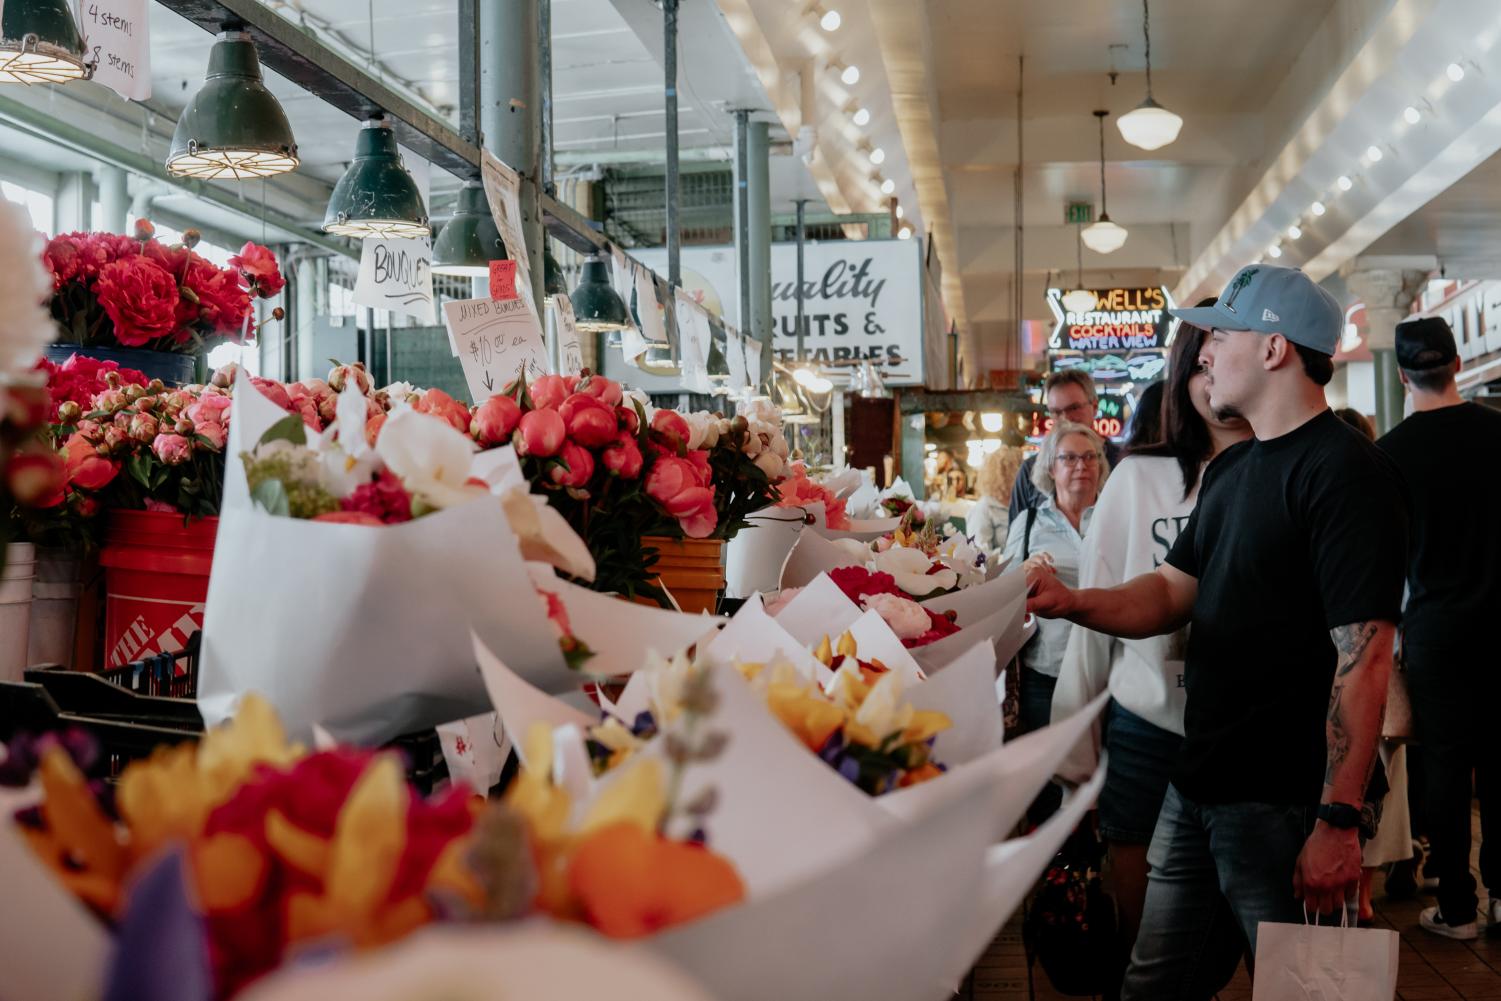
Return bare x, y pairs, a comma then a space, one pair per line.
156, 572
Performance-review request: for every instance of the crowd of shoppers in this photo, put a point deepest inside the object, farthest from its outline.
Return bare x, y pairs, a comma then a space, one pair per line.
1237, 585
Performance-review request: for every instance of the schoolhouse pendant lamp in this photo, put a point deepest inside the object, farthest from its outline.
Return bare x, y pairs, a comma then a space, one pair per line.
233, 127
597, 307
40, 43
1150, 126
376, 197
1103, 236
1079, 299
470, 241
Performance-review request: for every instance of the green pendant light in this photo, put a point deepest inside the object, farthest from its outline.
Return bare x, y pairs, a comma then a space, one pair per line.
40, 43
553, 282
596, 306
717, 364
470, 241
233, 127
376, 197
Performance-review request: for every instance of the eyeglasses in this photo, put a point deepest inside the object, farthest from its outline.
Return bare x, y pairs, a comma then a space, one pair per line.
1075, 460
1070, 411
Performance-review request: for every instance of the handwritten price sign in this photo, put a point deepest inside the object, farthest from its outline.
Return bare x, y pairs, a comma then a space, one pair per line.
496, 342
117, 41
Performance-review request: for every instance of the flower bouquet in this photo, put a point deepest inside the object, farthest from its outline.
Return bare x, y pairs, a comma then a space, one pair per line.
136, 292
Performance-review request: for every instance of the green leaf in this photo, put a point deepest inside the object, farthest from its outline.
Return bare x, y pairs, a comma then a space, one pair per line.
272, 496
289, 428
139, 468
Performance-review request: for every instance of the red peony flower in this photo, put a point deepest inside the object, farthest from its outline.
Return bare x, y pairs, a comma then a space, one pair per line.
674, 484
140, 298
64, 258
623, 458
383, 499
857, 582
549, 392
540, 433
590, 422
223, 303
440, 404
494, 420
257, 266
671, 426
79, 379
579, 463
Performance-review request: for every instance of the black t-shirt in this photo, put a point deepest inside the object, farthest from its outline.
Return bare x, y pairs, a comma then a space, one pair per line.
1449, 466
1291, 538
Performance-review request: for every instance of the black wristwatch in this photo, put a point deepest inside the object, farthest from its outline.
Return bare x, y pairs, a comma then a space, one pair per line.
1340, 815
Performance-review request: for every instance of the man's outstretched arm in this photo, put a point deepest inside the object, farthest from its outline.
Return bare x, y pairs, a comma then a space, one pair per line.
1148, 605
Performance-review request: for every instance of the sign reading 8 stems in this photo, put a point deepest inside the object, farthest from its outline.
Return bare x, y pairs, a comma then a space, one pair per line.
1123, 319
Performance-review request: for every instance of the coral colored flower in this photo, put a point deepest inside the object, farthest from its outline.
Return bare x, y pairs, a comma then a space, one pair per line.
549, 392
140, 299
441, 405
173, 449
670, 424
630, 421
348, 518
35, 479
673, 483
85, 467
579, 465
215, 433
589, 421
633, 882
257, 266
623, 458
209, 407
494, 420
273, 391
372, 429
608, 391
540, 433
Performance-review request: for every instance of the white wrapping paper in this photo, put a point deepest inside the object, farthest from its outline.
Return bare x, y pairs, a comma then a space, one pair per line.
820, 610
753, 558
51, 947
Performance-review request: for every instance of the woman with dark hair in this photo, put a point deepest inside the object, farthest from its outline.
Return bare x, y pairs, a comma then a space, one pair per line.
1146, 419
1139, 514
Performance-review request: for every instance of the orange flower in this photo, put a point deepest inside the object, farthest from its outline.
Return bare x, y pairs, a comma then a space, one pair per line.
920, 774
632, 882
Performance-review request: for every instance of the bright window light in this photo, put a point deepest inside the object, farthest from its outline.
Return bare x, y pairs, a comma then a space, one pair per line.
850, 76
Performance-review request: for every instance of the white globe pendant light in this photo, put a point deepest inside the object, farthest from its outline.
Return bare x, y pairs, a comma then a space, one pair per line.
1150, 126
1079, 299
1103, 236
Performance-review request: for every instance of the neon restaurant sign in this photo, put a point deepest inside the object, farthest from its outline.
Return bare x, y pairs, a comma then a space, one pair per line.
1120, 320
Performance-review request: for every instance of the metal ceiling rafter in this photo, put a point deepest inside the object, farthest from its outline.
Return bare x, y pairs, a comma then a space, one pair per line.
324, 73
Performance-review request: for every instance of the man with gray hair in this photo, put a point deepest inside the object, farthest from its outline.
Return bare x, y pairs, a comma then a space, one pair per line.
1446, 453
1290, 574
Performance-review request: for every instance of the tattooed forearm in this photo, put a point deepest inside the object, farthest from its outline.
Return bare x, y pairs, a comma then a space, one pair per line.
1352, 641
1356, 703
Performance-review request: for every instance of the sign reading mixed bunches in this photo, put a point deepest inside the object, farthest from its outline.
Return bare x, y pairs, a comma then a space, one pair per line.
1121, 319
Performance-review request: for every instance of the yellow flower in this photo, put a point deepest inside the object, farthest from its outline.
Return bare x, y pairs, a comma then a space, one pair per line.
637, 796
533, 795
808, 714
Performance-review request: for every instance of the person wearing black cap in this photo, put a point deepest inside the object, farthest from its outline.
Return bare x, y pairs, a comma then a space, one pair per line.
1289, 575
1446, 453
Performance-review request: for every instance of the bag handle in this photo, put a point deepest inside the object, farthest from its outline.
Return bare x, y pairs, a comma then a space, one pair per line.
1344, 916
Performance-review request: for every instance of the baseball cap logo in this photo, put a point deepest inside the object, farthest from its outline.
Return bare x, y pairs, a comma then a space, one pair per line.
1267, 316
1237, 287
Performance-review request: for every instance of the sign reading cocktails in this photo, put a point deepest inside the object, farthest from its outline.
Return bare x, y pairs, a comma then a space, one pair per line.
1121, 319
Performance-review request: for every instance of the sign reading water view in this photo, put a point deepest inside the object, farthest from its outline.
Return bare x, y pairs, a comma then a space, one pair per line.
861, 299
1121, 320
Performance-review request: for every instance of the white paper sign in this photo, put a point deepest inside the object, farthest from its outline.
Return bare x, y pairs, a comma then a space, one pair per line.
653, 326
752, 360
496, 341
693, 343
397, 275
570, 351
734, 353
117, 40
503, 192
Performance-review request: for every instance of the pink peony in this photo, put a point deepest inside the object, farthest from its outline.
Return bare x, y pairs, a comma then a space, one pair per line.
341, 375
372, 429
670, 424
213, 432
629, 420
257, 266
273, 391
494, 420
144, 428
699, 460
173, 449
85, 467
607, 391
349, 518
580, 466
673, 483
440, 404
209, 407
541, 433
589, 421
784, 598
383, 498
549, 392
906, 617
623, 458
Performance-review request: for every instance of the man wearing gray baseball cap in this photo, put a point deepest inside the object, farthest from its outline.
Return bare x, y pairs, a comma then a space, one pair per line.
1290, 573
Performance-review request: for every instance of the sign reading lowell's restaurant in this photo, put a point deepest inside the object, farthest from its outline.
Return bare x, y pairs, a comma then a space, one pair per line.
1121, 320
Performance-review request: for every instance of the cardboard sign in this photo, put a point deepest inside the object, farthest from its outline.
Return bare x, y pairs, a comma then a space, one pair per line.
502, 280
496, 341
397, 275
117, 40
570, 349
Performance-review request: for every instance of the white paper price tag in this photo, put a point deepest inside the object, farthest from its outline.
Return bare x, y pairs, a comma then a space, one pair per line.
117, 40
397, 275
497, 341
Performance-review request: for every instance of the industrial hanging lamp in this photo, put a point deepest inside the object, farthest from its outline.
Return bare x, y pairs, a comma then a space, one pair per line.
1103, 236
233, 127
40, 43
597, 308
376, 197
1080, 299
470, 241
1150, 126
553, 282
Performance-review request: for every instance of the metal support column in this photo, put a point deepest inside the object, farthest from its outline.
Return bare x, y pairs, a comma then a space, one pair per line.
758, 213
1390, 393
742, 223
544, 47
670, 112
510, 108
802, 236
114, 199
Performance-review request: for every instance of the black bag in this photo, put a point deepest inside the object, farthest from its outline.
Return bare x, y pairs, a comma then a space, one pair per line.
1071, 927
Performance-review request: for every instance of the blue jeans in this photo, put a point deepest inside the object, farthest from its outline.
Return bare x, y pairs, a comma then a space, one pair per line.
1216, 872
1141, 759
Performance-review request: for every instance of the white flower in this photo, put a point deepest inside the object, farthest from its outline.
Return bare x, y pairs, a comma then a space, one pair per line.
347, 459
909, 567
666, 681
906, 618
703, 429
401, 392
25, 325
761, 409
772, 465
853, 548
960, 555
431, 458
545, 535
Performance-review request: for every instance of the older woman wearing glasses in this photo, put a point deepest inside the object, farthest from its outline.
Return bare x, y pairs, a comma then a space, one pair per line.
1068, 473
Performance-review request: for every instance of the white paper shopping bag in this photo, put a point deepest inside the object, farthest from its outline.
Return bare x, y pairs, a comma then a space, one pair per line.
1309, 962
